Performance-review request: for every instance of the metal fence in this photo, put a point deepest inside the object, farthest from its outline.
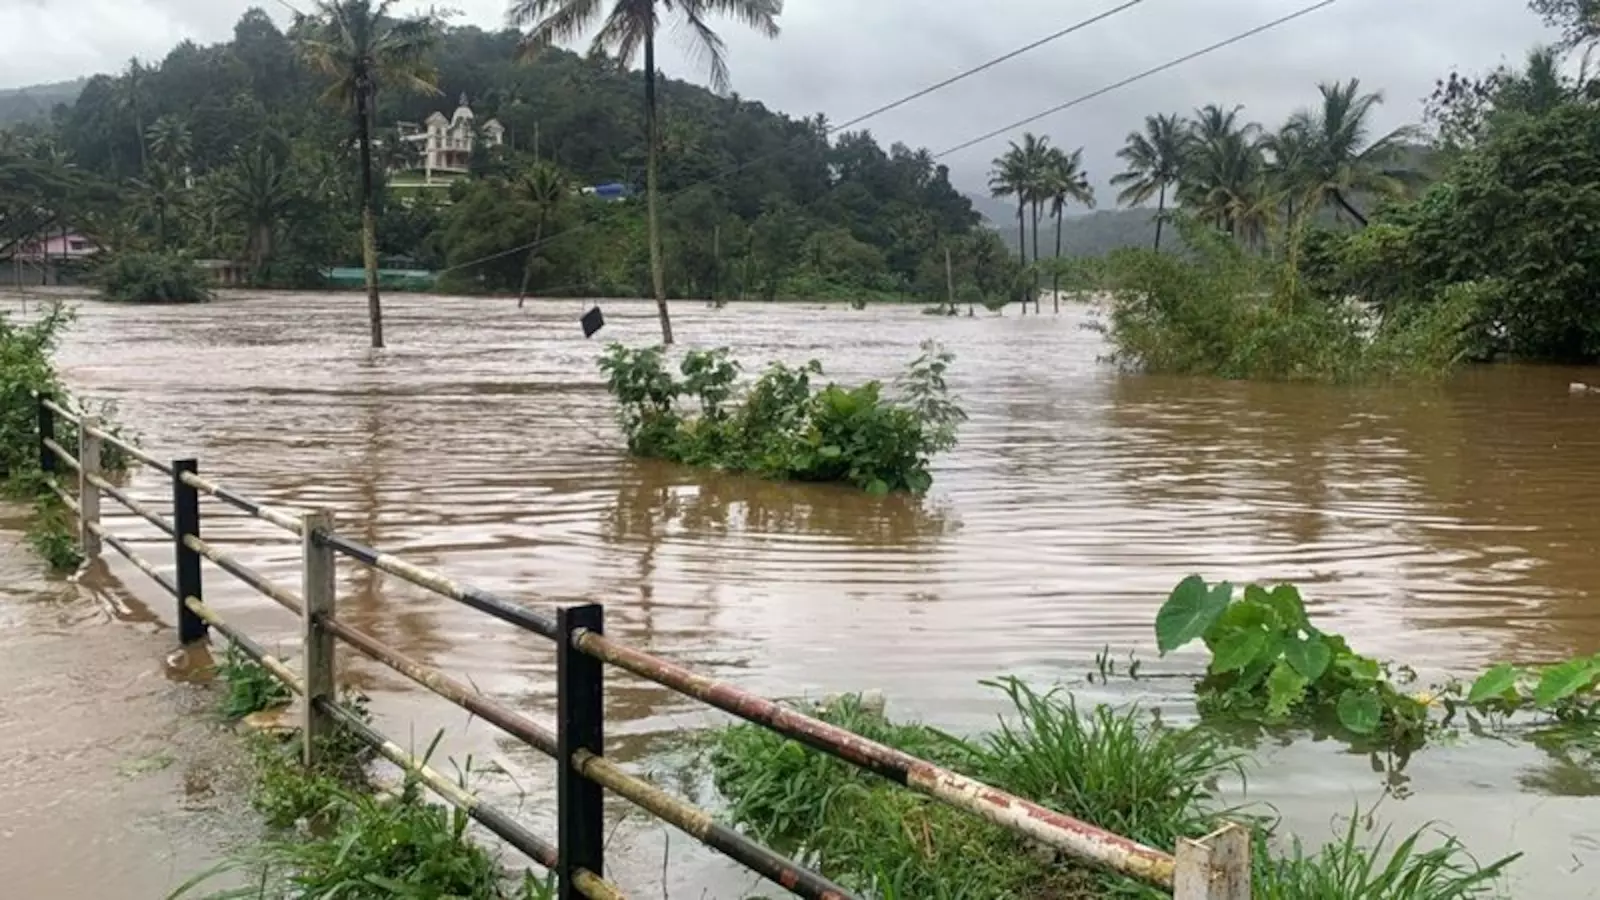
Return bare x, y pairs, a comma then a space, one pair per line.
1216, 867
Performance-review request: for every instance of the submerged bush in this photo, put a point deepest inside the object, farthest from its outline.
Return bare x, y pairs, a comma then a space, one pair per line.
1223, 311
141, 277
784, 426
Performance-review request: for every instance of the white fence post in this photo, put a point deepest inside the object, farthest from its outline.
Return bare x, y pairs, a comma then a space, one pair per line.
88, 493
318, 587
1216, 867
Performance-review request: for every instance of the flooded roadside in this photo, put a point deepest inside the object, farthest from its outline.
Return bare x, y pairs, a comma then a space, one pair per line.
116, 782
1440, 526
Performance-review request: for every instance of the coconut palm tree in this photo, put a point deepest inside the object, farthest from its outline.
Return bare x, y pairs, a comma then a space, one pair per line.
1225, 184
1343, 159
1287, 162
1011, 178
169, 139
1067, 183
258, 192
629, 26
130, 96
362, 49
1155, 161
544, 187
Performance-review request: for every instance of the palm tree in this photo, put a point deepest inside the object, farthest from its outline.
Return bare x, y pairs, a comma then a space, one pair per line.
1067, 183
1287, 168
1342, 160
160, 192
1155, 163
630, 25
130, 96
259, 193
363, 49
170, 141
1225, 184
1011, 179
544, 187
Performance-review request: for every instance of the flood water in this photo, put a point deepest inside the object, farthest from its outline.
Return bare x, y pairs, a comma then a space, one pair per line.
1443, 526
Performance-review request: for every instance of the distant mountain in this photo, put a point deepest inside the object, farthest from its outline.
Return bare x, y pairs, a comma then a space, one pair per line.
26, 104
1082, 234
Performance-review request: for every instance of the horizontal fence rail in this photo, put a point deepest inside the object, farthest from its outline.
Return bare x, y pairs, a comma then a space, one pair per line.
1215, 867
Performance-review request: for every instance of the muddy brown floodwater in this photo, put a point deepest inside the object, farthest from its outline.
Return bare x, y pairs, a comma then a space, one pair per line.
1442, 527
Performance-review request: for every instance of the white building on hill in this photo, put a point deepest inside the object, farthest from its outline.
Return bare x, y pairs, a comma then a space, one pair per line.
445, 145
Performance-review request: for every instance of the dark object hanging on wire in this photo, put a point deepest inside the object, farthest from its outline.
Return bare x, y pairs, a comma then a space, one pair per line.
592, 321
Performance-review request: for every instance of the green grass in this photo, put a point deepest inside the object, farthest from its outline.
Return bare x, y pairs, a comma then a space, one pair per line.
1120, 770
1351, 869
330, 835
372, 847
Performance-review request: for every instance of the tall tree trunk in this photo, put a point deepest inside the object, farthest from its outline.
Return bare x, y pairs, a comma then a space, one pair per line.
1055, 276
369, 217
138, 126
658, 278
527, 270
1361, 220
1161, 214
1036, 210
1022, 240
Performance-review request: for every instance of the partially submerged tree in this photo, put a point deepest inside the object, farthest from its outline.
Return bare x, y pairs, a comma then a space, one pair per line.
362, 49
631, 25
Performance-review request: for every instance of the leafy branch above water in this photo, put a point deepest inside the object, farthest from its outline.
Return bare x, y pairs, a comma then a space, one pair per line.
1270, 664
784, 426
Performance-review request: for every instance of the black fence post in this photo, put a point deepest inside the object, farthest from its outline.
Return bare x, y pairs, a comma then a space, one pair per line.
580, 725
47, 430
186, 523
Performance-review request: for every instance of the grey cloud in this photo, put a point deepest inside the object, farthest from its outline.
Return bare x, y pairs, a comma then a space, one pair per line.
843, 57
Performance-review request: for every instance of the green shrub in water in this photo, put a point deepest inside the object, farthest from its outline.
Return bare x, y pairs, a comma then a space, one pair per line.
784, 426
1222, 310
1269, 664
143, 277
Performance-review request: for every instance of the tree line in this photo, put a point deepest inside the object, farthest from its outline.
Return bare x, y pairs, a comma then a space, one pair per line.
275, 148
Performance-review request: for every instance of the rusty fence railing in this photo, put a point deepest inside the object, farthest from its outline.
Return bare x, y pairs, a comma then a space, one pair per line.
1216, 867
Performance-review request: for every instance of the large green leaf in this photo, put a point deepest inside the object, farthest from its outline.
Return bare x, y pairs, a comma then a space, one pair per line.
1309, 655
1285, 601
1238, 649
1562, 681
1189, 611
1493, 683
1285, 689
1360, 710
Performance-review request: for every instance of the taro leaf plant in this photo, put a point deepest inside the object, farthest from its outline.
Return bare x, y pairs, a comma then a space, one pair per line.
1565, 690
1269, 664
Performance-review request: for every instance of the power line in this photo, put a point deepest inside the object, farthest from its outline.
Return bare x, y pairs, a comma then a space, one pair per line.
871, 114
1050, 38
1303, 11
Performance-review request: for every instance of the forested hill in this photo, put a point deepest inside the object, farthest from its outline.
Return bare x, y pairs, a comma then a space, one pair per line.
34, 103
756, 202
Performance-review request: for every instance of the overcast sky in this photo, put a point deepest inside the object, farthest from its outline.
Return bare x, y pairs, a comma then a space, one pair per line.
844, 57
